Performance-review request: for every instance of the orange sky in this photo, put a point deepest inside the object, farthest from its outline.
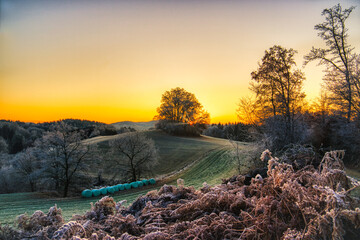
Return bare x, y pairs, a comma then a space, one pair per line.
111, 61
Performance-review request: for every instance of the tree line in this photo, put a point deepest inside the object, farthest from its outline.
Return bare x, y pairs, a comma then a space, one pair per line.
59, 159
278, 107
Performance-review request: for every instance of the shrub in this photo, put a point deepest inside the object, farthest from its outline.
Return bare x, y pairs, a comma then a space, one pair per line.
178, 129
277, 136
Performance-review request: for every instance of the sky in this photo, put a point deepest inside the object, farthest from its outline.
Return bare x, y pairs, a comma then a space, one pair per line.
111, 61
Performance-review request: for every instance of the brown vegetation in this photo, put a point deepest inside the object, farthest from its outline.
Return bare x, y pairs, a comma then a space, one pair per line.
305, 204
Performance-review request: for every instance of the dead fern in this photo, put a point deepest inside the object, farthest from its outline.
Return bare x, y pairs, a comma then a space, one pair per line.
308, 203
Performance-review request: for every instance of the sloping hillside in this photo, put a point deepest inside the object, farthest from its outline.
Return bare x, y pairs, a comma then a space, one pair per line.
175, 153
139, 126
196, 160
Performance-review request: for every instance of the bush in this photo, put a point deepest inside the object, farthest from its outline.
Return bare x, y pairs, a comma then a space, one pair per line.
333, 132
179, 129
277, 136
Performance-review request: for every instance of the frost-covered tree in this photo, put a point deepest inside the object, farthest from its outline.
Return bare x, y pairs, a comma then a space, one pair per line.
64, 156
4, 148
342, 77
28, 166
135, 154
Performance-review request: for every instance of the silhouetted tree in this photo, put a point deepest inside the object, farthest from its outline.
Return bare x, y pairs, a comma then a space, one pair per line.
135, 154
341, 78
64, 156
278, 87
178, 105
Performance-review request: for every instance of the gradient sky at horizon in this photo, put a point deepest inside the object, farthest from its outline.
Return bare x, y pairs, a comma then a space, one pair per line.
111, 61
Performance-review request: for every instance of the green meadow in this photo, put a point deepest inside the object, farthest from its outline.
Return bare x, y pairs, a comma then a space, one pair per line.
196, 160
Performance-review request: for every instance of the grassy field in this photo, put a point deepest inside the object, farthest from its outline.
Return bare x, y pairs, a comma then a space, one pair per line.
174, 152
139, 126
12, 205
196, 160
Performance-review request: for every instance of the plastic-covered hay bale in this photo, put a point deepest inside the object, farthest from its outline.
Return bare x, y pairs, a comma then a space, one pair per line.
110, 189
134, 185
86, 193
116, 188
121, 187
103, 191
140, 183
152, 181
145, 182
96, 192
127, 186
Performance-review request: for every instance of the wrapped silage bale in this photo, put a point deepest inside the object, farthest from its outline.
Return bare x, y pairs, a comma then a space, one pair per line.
110, 189
103, 191
152, 181
96, 192
140, 183
134, 185
116, 188
86, 193
121, 187
145, 182
127, 186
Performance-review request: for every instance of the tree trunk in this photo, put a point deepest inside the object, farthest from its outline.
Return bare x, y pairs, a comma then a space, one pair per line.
66, 189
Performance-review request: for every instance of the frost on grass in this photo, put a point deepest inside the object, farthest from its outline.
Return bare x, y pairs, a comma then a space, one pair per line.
305, 204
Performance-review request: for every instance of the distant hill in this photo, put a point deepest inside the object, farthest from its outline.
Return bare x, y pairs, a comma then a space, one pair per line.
139, 126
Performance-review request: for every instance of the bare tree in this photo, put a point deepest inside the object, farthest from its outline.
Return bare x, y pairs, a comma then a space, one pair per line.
339, 59
64, 156
28, 166
135, 153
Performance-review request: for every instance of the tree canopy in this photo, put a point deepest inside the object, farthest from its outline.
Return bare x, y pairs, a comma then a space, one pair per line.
178, 105
277, 85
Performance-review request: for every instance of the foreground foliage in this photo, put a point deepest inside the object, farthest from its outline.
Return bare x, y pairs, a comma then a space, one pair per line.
287, 204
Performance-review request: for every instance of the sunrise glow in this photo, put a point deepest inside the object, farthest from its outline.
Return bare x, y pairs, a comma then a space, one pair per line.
111, 61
